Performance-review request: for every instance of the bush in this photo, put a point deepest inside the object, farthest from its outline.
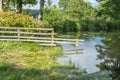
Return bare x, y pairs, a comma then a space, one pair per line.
12, 19
99, 23
69, 26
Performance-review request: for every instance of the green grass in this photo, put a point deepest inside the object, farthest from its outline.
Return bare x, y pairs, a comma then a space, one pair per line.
29, 61
27, 55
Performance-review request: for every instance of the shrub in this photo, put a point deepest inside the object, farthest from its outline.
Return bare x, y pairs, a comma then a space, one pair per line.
12, 19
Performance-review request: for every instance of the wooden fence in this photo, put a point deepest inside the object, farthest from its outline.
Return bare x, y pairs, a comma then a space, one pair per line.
44, 36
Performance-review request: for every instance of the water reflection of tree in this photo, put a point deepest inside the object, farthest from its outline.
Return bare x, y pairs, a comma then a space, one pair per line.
110, 55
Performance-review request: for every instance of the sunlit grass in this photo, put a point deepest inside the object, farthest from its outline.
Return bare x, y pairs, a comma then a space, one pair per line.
29, 61
26, 55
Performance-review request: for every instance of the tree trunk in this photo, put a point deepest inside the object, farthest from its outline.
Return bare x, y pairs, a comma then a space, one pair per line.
41, 9
1, 5
18, 6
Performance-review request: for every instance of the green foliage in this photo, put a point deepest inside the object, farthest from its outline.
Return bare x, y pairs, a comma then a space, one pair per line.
87, 24
57, 19
8, 4
81, 13
12, 19
109, 8
10, 72
63, 3
75, 15
32, 2
78, 10
110, 55
100, 23
68, 17
54, 18
109, 12
69, 26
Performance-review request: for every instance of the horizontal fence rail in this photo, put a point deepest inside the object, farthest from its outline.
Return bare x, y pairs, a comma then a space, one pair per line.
46, 29
44, 36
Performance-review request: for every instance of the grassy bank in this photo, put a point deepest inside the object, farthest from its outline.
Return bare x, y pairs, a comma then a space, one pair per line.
26, 55
29, 61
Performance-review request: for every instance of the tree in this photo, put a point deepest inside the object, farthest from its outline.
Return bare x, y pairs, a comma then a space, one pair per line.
54, 18
63, 4
78, 10
42, 3
109, 8
109, 53
67, 17
49, 3
1, 5
19, 6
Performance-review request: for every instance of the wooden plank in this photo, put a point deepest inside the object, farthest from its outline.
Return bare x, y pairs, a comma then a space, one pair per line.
26, 33
9, 39
49, 38
48, 29
35, 33
44, 41
73, 50
8, 32
61, 39
27, 37
26, 40
64, 42
42, 38
8, 36
76, 51
47, 44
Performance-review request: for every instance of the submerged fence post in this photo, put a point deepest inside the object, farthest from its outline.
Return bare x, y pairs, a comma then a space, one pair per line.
76, 45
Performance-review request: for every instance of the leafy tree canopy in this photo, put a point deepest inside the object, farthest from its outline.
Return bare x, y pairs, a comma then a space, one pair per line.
109, 8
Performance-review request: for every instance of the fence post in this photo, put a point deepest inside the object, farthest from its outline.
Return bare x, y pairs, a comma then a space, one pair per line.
18, 34
52, 37
76, 45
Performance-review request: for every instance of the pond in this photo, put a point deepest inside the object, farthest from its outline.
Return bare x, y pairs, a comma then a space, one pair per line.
100, 53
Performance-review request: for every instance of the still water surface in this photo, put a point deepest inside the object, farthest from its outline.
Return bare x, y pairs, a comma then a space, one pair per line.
86, 60
108, 52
